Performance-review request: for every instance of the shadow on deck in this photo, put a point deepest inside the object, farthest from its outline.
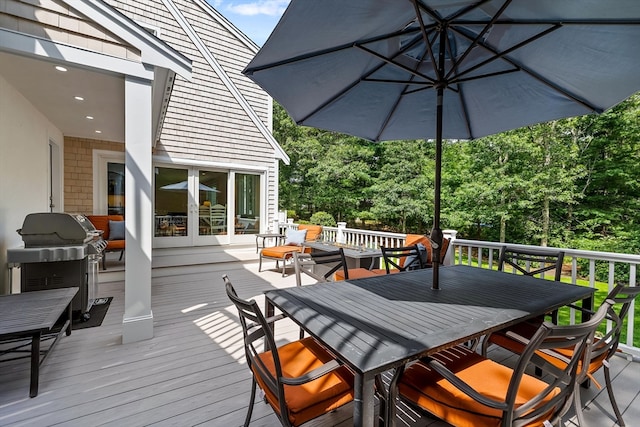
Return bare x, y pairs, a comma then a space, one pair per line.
192, 372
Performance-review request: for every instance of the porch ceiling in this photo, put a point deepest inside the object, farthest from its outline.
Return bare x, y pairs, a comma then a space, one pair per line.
52, 92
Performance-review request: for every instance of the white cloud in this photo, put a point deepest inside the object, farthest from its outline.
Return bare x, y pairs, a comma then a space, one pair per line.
260, 7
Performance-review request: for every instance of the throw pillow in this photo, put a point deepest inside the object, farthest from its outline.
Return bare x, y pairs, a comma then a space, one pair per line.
411, 260
295, 237
116, 230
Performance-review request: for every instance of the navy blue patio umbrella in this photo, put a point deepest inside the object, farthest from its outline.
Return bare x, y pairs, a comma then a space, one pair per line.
453, 69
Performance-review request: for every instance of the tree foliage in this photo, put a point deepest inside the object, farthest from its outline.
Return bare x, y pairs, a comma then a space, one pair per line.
572, 182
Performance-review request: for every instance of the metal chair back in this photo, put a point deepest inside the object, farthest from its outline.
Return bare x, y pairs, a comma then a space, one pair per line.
403, 258
319, 265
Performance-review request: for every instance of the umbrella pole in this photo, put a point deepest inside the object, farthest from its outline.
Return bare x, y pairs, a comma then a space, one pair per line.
436, 232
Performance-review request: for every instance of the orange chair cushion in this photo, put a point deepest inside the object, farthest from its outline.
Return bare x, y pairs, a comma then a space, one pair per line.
414, 239
526, 330
429, 390
356, 273
313, 231
281, 252
312, 399
384, 271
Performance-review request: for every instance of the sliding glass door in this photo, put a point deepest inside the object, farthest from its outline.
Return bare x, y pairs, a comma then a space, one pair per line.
196, 206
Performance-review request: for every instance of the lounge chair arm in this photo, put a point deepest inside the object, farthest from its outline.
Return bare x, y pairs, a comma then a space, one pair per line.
323, 370
463, 386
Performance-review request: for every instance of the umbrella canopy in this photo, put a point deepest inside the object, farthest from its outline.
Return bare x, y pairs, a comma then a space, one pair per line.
184, 185
414, 69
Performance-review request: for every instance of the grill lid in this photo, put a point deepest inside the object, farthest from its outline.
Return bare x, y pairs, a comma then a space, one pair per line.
57, 229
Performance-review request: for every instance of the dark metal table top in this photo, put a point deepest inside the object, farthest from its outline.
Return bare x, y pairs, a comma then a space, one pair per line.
378, 323
33, 311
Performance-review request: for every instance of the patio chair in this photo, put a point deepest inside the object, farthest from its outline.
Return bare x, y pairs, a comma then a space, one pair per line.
300, 380
403, 258
414, 239
319, 265
466, 389
294, 242
533, 262
602, 349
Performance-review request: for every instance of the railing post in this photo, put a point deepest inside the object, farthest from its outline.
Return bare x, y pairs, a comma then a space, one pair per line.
340, 237
448, 256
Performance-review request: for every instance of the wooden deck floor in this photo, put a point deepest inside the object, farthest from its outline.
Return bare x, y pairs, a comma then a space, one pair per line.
193, 371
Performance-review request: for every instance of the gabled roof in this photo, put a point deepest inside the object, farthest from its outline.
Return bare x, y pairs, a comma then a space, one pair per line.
218, 69
154, 51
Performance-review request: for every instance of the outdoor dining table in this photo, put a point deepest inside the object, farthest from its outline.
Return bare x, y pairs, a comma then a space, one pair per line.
380, 323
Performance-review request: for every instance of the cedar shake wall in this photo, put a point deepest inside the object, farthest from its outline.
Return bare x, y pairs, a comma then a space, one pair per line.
78, 172
204, 121
56, 21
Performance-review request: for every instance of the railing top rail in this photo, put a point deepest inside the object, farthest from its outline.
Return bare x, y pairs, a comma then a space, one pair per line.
577, 253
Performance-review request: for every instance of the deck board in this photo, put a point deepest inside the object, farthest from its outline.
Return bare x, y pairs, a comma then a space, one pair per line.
192, 372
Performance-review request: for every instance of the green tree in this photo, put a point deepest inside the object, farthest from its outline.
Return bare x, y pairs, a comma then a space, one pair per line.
402, 195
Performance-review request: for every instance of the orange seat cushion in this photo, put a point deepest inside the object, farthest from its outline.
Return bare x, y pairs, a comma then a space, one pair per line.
414, 239
384, 271
313, 231
281, 252
527, 329
429, 390
312, 399
356, 273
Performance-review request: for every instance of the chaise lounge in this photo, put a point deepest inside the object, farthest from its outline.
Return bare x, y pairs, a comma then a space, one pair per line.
294, 242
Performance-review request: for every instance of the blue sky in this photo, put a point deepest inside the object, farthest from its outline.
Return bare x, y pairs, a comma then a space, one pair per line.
255, 18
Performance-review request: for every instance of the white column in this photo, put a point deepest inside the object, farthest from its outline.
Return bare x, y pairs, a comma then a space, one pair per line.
137, 323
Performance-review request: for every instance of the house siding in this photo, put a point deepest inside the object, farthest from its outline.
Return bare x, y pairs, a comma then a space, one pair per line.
56, 21
204, 122
79, 174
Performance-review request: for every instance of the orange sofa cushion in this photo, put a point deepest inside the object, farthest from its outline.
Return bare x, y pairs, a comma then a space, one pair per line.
432, 392
317, 397
101, 222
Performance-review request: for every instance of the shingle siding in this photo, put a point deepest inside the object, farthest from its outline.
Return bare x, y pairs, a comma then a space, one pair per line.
204, 121
54, 20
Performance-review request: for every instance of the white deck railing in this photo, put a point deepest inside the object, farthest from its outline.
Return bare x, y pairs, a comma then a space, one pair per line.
466, 252
462, 251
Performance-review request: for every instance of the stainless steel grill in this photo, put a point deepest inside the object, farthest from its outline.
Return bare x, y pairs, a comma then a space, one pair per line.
60, 250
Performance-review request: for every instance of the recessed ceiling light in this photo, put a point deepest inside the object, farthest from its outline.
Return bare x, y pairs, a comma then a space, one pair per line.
89, 117
78, 98
60, 68
98, 131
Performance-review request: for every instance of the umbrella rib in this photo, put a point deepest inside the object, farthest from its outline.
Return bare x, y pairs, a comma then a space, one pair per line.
519, 67
251, 70
501, 54
390, 61
425, 37
476, 41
